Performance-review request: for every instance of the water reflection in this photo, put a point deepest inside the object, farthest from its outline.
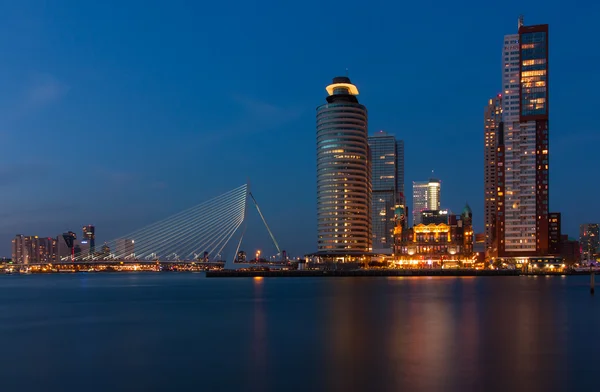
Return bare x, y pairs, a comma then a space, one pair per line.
258, 359
444, 334
179, 332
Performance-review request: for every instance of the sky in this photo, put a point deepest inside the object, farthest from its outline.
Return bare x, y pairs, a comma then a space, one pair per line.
120, 113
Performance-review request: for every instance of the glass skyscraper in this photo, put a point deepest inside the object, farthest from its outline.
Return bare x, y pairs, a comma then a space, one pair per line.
343, 174
426, 196
387, 168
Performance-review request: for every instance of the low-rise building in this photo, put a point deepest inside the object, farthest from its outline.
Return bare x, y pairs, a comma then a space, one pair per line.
437, 244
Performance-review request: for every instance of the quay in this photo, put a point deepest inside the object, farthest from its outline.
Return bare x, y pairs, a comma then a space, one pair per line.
358, 273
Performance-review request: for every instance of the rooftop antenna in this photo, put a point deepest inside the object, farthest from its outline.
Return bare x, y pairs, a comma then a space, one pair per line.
521, 21
346, 72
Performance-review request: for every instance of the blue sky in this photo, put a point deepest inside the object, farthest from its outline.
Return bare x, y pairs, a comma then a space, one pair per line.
119, 113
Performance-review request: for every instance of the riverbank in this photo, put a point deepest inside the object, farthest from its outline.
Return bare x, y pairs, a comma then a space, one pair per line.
358, 273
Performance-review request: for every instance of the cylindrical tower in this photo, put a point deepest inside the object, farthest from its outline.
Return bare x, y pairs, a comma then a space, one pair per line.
343, 173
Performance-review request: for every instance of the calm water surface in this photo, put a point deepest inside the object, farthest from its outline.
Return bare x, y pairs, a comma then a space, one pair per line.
171, 332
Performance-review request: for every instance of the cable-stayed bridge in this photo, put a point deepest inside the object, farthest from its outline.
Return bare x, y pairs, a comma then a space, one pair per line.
200, 233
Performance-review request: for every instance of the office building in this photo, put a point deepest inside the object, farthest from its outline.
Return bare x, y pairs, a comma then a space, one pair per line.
426, 196
589, 240
125, 249
570, 251
492, 124
400, 170
419, 200
104, 252
387, 174
343, 175
89, 236
522, 220
66, 246
554, 233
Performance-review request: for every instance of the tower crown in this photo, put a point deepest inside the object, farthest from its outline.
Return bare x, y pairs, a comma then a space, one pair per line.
342, 85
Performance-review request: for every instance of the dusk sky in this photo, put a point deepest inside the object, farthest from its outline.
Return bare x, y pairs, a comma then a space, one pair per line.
120, 113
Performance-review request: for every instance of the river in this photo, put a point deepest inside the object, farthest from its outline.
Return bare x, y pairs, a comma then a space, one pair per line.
183, 332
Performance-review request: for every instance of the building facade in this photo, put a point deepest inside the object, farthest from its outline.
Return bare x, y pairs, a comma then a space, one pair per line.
343, 174
89, 235
589, 239
426, 196
492, 124
33, 249
437, 243
400, 170
522, 219
125, 249
387, 175
419, 195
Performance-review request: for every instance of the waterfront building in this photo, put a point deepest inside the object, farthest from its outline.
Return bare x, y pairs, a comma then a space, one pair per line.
32, 249
434, 216
66, 246
387, 175
419, 200
435, 244
426, 196
104, 252
492, 128
89, 235
522, 216
570, 250
589, 239
125, 248
343, 175
554, 233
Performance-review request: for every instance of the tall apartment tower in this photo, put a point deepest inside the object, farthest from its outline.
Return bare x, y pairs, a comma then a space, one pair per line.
343, 174
426, 196
589, 238
387, 174
32, 249
491, 124
522, 150
89, 234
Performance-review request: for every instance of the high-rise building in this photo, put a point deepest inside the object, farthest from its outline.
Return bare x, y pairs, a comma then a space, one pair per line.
426, 196
554, 233
419, 200
491, 124
65, 246
343, 174
89, 235
589, 240
433, 194
387, 174
522, 223
400, 170
125, 249
32, 249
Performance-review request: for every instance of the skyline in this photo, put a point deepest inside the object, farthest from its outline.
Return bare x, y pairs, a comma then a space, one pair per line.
123, 109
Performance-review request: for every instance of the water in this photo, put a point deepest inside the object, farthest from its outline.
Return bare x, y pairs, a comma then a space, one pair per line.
179, 331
